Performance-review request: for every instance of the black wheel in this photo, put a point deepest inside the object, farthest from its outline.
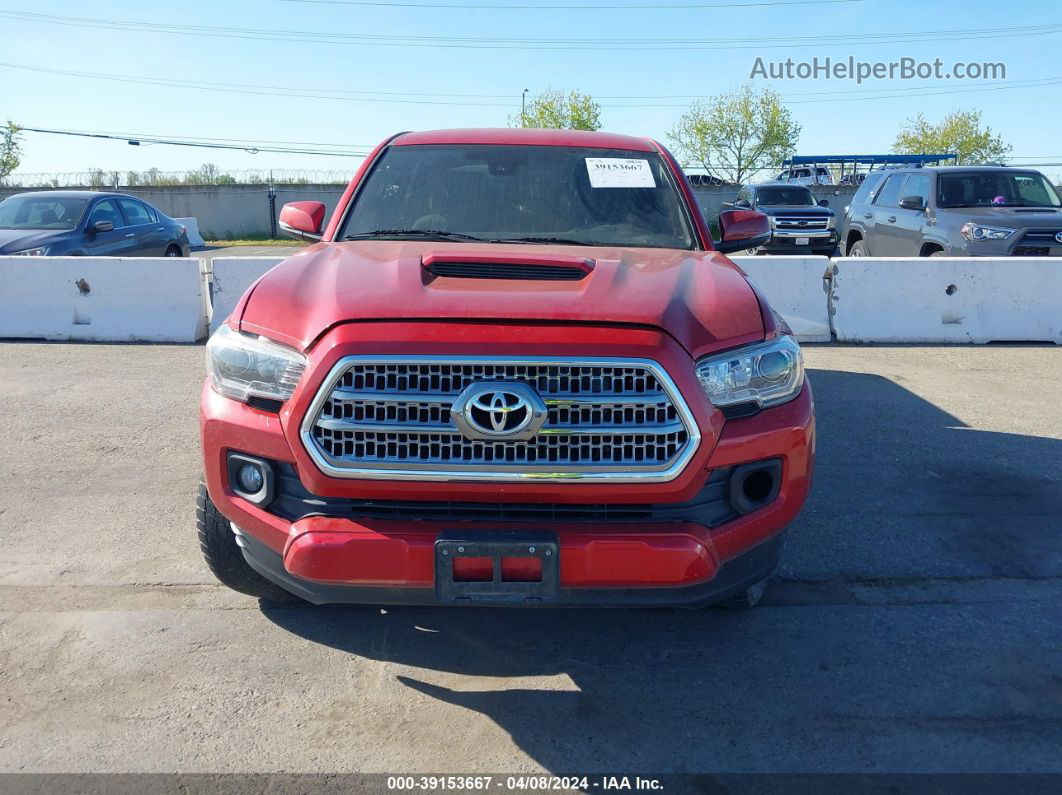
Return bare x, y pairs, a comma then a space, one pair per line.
858, 249
748, 598
173, 251
224, 558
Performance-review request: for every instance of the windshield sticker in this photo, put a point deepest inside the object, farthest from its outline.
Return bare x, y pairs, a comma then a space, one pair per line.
619, 172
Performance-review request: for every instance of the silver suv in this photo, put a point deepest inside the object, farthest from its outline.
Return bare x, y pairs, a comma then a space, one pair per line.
953, 211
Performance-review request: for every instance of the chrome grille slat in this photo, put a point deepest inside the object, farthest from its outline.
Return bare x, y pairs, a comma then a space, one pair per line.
620, 419
342, 394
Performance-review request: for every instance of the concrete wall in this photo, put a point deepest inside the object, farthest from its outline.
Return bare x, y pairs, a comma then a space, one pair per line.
236, 211
102, 299
224, 211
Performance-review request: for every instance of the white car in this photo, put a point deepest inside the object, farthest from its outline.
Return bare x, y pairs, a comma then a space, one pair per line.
806, 175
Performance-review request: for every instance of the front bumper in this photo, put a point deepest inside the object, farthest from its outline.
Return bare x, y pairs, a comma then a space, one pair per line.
731, 577
785, 240
671, 555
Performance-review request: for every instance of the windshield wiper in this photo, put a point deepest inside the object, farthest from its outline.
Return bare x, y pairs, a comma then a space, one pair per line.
436, 234
560, 241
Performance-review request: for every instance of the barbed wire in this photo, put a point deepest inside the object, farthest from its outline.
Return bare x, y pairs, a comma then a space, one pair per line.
204, 176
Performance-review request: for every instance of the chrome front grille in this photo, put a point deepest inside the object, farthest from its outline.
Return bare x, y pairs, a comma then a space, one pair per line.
614, 419
800, 221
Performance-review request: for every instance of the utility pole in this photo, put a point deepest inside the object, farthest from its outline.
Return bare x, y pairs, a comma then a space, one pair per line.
272, 207
523, 106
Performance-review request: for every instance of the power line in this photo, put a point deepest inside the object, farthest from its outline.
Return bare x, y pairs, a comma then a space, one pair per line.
468, 42
290, 91
572, 7
266, 91
869, 98
354, 93
210, 139
180, 140
245, 147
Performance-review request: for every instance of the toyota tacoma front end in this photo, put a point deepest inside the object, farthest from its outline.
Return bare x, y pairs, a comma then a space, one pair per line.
516, 371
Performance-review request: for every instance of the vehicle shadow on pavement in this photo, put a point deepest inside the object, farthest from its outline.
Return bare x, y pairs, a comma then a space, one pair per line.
911, 628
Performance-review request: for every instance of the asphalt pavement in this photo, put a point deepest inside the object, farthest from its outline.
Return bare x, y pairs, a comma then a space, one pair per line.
914, 626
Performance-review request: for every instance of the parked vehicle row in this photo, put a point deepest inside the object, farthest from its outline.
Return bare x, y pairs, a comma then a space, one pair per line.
87, 223
954, 211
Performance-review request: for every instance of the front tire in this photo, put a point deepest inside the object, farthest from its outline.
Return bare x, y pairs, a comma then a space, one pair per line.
224, 558
858, 249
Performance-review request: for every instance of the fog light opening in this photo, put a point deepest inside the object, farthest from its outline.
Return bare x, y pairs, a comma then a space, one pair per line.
758, 486
754, 485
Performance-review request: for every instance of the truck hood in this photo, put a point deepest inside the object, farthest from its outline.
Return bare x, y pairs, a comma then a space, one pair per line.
698, 297
803, 209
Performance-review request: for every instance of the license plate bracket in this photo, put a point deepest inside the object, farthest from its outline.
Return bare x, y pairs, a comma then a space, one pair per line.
497, 545
803, 241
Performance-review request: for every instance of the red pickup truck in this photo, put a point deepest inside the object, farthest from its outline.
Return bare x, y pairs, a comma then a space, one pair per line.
514, 370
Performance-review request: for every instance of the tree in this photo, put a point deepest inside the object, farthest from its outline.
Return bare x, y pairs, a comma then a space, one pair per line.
98, 178
10, 148
958, 133
735, 135
552, 109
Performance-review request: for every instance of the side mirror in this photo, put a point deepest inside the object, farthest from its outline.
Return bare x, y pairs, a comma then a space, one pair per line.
303, 220
741, 229
823, 203
913, 203
101, 226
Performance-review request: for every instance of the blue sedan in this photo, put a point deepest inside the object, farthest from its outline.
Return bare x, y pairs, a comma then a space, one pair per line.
64, 223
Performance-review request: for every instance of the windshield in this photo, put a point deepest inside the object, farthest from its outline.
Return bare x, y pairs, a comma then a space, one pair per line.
41, 212
995, 189
600, 197
792, 197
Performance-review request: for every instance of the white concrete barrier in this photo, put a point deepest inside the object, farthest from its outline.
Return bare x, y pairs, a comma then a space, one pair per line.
232, 276
947, 299
191, 226
102, 299
794, 286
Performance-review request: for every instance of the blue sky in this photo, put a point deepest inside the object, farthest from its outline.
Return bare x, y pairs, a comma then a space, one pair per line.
1028, 118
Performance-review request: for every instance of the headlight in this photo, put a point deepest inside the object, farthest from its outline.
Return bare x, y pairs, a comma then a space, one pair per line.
32, 252
831, 222
241, 366
767, 374
770, 220
972, 231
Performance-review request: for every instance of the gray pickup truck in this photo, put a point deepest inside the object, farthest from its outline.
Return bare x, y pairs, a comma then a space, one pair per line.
954, 211
799, 222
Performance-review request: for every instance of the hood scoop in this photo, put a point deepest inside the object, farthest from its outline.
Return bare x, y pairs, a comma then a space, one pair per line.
506, 265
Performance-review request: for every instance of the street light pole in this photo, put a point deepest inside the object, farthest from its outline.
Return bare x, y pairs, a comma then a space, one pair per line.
523, 106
